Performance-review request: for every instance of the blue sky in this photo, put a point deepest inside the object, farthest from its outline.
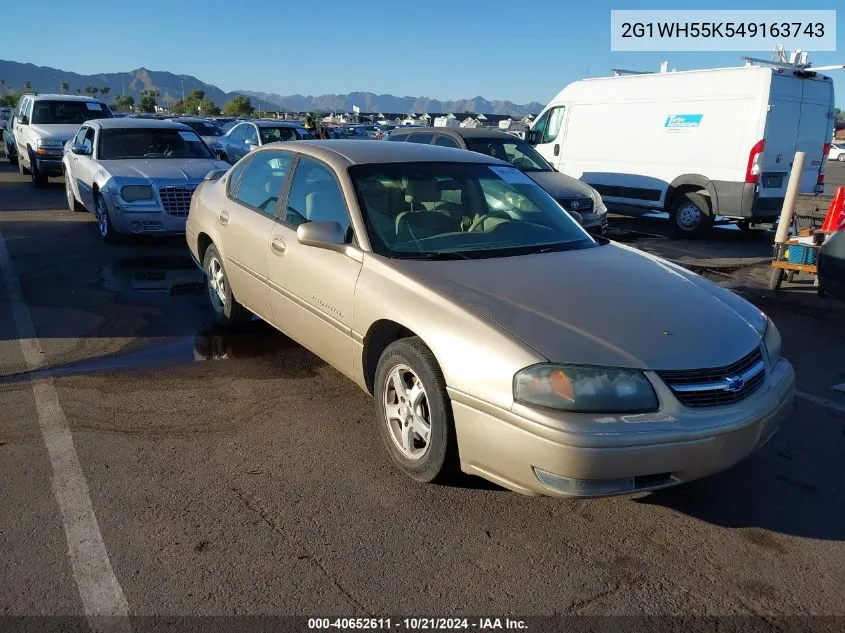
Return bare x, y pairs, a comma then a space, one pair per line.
521, 51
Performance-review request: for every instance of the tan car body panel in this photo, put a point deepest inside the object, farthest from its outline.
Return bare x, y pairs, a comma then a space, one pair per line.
328, 301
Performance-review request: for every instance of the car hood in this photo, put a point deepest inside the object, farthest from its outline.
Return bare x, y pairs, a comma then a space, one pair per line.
56, 131
608, 305
560, 185
189, 170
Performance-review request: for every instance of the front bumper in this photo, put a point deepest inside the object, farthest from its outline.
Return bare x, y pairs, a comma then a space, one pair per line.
535, 459
49, 165
149, 221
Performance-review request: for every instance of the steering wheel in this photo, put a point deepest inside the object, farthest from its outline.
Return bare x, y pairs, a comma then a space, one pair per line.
479, 221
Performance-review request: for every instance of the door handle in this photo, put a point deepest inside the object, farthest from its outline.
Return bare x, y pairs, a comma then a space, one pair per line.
278, 245
557, 149
223, 218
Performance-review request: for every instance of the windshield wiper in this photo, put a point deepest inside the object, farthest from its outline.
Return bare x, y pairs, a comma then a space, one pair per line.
430, 255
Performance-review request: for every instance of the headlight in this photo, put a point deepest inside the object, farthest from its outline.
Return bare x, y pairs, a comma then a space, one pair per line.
773, 343
585, 389
48, 142
134, 193
598, 203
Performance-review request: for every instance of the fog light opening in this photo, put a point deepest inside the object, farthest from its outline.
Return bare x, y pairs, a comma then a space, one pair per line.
135, 227
599, 487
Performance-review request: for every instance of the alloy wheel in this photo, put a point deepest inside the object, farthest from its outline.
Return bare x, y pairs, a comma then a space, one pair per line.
216, 284
407, 412
102, 217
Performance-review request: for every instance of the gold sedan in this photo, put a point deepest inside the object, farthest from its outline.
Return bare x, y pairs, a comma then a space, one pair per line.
495, 334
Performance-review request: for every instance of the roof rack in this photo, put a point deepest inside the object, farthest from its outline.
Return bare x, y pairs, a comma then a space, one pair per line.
795, 60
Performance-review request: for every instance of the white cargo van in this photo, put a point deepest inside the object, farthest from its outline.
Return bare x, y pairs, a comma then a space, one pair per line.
696, 144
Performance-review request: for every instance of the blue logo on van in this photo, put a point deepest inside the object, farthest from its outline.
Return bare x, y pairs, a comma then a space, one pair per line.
683, 120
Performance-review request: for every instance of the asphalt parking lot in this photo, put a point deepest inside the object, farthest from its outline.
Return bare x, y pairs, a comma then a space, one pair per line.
234, 473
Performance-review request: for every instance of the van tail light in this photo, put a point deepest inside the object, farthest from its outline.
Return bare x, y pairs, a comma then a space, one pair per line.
826, 149
755, 162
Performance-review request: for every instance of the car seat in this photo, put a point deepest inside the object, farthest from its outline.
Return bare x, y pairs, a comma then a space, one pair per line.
420, 222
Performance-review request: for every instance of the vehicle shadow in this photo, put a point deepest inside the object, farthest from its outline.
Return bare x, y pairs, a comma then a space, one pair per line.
793, 486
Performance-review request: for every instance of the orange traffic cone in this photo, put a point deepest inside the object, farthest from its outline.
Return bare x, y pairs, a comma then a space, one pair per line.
835, 218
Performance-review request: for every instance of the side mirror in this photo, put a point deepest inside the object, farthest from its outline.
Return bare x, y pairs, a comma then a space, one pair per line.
532, 137
22, 119
216, 174
328, 235
82, 150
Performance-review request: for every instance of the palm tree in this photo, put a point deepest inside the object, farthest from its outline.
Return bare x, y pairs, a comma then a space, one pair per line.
94, 91
105, 90
65, 87
89, 90
78, 91
27, 85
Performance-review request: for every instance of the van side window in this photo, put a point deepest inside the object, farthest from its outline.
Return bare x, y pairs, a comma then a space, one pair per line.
548, 125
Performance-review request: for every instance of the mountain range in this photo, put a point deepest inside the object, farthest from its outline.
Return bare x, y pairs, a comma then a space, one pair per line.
173, 87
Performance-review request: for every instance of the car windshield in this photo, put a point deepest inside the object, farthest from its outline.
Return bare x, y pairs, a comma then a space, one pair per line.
71, 112
121, 143
275, 134
520, 155
202, 128
460, 210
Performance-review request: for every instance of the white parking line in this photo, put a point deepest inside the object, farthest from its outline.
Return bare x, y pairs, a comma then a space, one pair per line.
822, 402
102, 597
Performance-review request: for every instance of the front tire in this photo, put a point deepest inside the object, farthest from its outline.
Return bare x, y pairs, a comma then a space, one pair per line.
38, 179
104, 225
776, 279
413, 411
690, 215
72, 203
841, 158
226, 308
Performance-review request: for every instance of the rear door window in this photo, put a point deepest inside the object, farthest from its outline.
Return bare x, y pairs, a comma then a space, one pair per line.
420, 138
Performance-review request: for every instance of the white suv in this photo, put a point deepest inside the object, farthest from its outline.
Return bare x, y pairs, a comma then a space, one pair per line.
837, 152
43, 124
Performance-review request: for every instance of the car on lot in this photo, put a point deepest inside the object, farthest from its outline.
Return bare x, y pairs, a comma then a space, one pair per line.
135, 175
837, 152
43, 125
206, 130
572, 194
9, 140
246, 136
494, 333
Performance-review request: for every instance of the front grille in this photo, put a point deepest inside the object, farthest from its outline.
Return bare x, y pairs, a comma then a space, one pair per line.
176, 201
707, 387
580, 205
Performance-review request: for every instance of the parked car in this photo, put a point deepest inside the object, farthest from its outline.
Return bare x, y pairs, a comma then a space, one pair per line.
831, 266
43, 124
837, 152
135, 175
572, 194
249, 135
493, 331
695, 144
9, 141
206, 130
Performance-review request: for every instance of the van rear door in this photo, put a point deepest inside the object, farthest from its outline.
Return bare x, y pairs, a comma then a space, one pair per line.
814, 130
780, 135
798, 121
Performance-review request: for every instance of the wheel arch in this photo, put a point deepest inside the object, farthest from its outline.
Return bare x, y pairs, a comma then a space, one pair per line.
380, 334
690, 183
203, 242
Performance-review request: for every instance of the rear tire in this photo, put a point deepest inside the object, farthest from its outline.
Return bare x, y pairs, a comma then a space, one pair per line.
690, 215
226, 308
12, 157
841, 158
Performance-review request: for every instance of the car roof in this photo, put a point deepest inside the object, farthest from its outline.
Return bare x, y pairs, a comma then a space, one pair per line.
192, 119
57, 97
275, 123
463, 132
128, 122
341, 153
